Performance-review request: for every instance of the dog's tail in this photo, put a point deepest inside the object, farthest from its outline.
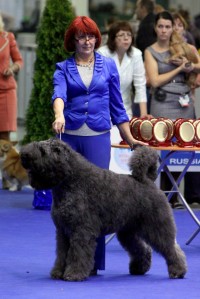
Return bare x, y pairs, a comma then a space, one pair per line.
143, 163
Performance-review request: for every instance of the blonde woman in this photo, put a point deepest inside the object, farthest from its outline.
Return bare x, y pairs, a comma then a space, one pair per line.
10, 63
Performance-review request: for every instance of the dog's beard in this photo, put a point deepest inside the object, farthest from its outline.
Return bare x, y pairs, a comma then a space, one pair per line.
39, 181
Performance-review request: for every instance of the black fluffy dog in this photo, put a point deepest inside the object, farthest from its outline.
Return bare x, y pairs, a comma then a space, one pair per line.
89, 201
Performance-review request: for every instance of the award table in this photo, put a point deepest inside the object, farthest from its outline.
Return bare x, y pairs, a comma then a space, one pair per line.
171, 150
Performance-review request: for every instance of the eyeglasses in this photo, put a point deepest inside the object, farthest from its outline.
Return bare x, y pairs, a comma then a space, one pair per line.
84, 38
123, 35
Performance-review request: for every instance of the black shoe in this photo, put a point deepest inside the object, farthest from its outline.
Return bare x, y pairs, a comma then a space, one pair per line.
191, 200
195, 205
177, 205
175, 202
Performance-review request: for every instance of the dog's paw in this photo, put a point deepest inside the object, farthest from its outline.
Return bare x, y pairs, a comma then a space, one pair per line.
177, 267
142, 264
56, 273
176, 275
137, 268
74, 276
178, 271
13, 188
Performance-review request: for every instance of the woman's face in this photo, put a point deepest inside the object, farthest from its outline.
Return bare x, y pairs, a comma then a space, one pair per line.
85, 43
123, 40
178, 26
164, 29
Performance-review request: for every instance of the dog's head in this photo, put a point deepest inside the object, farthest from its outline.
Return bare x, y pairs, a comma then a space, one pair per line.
179, 49
5, 148
45, 161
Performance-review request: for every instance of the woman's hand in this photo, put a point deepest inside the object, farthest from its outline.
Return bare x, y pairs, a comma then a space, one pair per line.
8, 72
146, 116
59, 124
178, 61
14, 68
188, 67
128, 137
136, 142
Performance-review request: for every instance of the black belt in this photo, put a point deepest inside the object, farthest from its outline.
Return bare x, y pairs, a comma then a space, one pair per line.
180, 93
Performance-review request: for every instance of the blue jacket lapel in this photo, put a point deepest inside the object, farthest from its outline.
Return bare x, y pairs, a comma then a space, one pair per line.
72, 69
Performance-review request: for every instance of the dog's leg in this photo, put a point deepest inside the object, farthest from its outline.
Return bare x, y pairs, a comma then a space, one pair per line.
80, 259
177, 266
5, 183
139, 252
174, 256
62, 247
14, 185
159, 232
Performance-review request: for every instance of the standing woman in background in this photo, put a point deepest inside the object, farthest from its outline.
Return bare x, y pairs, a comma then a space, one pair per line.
171, 96
131, 70
180, 26
168, 77
191, 179
10, 64
129, 64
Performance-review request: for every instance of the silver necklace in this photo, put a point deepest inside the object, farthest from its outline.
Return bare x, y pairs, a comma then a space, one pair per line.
88, 65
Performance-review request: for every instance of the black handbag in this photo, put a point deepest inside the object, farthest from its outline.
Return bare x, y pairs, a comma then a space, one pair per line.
160, 94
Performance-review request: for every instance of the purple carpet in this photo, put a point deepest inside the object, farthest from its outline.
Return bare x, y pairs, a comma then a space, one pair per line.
27, 252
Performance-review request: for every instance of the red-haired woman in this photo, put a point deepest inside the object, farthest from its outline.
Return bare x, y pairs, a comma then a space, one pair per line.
86, 99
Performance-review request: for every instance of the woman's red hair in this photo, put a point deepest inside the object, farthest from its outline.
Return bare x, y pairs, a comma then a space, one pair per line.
84, 25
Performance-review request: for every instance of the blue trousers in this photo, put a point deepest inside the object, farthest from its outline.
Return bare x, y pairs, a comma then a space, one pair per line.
97, 150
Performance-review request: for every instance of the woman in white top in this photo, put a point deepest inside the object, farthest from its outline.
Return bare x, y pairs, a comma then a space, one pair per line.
129, 64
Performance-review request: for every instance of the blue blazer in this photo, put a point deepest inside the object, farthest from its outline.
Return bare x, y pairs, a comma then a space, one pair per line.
97, 105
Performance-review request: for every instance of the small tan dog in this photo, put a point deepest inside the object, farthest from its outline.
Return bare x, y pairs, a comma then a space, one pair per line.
14, 176
179, 49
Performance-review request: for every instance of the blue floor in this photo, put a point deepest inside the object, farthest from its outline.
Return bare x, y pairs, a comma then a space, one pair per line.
27, 253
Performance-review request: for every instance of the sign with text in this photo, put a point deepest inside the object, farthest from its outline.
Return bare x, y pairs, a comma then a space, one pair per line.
178, 160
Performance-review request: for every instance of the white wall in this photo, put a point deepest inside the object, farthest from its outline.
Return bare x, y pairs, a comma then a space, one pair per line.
13, 8
193, 6
81, 7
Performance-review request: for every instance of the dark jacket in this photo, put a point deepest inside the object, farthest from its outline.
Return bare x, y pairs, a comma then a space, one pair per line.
146, 35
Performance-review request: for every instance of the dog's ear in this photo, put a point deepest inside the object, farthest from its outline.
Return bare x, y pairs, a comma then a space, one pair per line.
57, 149
6, 147
57, 145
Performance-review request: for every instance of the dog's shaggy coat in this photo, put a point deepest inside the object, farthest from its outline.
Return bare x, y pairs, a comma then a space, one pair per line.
89, 201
